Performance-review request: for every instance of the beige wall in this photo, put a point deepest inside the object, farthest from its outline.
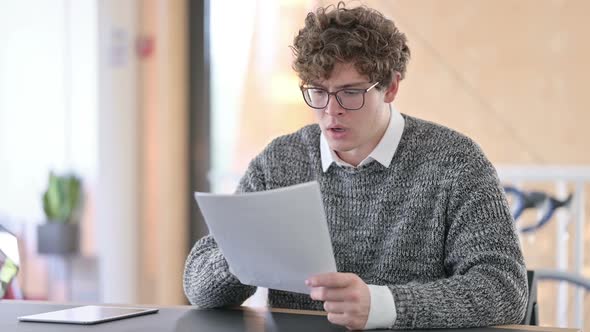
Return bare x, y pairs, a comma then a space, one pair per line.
510, 74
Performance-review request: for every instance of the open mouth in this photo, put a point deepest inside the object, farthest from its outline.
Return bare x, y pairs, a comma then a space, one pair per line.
337, 132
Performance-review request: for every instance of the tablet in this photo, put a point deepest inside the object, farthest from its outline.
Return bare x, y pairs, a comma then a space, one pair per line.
87, 315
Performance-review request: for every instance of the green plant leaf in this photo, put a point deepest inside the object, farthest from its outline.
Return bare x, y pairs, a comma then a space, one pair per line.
63, 198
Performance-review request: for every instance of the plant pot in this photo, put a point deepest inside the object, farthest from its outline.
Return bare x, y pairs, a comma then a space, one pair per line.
57, 238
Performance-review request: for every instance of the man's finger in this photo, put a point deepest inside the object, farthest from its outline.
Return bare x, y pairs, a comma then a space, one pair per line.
338, 319
334, 294
338, 307
334, 279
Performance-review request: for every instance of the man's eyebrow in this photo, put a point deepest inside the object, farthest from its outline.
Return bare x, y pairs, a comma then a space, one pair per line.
351, 85
344, 86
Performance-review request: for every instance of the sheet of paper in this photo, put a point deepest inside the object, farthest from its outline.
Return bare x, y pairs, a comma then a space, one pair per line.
274, 239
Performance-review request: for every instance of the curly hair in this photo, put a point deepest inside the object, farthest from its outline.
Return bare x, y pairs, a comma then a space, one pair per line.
360, 35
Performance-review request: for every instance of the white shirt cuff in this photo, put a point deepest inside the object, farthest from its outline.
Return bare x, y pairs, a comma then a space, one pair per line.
382, 314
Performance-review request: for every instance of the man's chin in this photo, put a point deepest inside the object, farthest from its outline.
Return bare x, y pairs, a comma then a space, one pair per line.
339, 147
339, 144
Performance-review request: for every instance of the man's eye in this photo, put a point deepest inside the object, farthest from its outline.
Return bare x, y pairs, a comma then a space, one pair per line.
352, 92
317, 91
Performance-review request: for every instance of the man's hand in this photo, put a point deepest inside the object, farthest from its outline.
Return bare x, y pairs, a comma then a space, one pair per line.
346, 298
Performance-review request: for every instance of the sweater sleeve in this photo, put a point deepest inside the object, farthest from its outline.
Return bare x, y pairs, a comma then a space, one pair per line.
486, 283
208, 282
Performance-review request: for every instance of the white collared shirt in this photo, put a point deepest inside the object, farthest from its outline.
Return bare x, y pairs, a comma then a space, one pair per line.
382, 312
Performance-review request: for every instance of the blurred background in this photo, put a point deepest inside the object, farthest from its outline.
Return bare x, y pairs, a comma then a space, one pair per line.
139, 103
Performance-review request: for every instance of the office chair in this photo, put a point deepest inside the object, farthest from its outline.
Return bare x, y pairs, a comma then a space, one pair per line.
532, 312
532, 308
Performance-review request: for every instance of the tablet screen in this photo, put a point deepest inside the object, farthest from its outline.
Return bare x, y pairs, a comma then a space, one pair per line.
87, 315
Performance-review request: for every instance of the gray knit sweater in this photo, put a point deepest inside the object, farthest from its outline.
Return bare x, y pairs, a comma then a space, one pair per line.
434, 227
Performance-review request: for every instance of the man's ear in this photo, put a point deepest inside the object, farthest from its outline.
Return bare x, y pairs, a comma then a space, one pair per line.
392, 89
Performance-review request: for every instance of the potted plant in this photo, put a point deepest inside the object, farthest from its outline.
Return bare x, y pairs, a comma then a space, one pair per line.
62, 203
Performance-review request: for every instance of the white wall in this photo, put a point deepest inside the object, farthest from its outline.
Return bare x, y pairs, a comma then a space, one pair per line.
48, 74
48, 116
118, 194
32, 102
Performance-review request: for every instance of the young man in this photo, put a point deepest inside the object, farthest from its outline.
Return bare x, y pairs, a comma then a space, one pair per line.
421, 230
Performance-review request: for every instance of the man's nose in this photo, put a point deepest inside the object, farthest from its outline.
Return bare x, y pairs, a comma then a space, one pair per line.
333, 107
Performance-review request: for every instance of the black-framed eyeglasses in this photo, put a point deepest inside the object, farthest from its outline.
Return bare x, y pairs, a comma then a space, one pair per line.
349, 99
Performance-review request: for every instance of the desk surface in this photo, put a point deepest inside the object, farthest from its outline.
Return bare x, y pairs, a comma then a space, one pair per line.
186, 318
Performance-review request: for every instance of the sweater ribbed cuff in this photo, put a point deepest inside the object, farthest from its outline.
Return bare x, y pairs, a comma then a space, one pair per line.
405, 306
221, 271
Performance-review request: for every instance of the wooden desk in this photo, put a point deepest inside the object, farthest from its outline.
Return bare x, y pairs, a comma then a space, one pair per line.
186, 318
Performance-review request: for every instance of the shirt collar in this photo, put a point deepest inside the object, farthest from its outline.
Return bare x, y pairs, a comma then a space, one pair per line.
383, 152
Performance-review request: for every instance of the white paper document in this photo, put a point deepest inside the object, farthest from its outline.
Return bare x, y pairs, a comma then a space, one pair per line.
274, 239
